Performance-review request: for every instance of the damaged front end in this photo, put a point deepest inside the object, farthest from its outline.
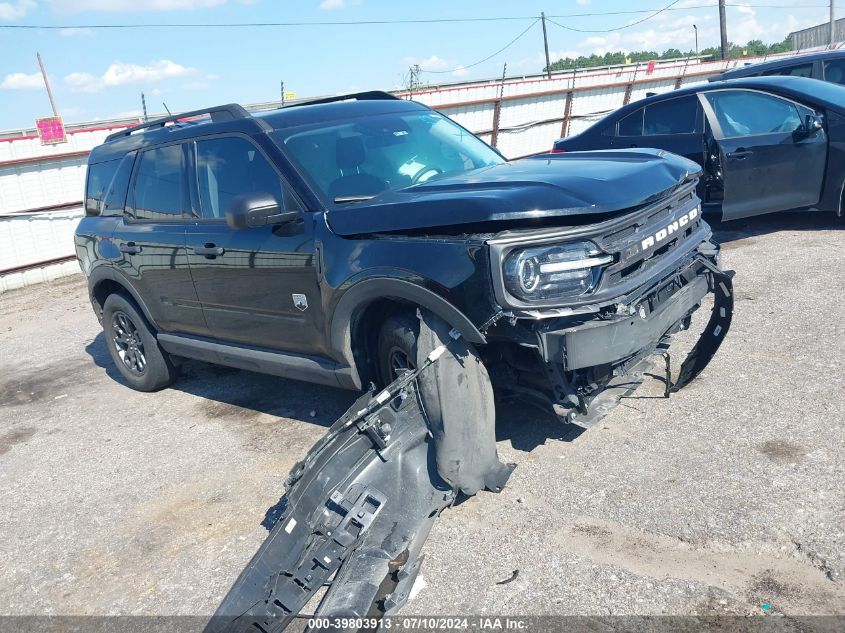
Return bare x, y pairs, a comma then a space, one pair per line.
636, 282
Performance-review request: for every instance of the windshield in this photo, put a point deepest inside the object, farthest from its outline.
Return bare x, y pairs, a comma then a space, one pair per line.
355, 160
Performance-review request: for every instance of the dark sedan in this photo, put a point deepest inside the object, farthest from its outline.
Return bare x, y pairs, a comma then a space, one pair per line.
824, 65
765, 143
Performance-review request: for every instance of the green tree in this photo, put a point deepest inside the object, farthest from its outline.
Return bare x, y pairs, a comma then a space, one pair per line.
754, 48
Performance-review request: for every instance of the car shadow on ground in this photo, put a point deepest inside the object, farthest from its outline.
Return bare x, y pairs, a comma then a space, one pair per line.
237, 393
524, 427
727, 232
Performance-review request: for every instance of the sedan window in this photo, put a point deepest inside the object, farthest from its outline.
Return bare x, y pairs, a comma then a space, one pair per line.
834, 71
632, 125
799, 70
746, 113
673, 116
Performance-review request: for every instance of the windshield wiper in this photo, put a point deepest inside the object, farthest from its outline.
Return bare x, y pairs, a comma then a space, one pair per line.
345, 199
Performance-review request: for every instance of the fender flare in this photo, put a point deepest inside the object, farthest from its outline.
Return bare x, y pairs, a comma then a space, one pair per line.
107, 273
364, 292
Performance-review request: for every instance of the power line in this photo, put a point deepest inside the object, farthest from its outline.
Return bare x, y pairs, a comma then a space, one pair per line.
619, 28
481, 61
204, 25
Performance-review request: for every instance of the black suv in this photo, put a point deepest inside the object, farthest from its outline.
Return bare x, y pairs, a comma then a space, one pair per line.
302, 242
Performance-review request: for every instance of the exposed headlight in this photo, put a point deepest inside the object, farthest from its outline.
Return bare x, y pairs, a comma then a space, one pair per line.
549, 272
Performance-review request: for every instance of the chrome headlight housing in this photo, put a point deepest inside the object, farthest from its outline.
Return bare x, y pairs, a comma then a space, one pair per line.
554, 271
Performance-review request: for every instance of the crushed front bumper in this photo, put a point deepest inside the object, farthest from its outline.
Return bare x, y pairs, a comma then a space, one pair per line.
623, 345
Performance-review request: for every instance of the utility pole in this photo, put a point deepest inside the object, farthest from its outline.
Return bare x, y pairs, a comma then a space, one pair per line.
413, 79
723, 28
144, 107
282, 92
695, 28
47, 84
832, 26
546, 44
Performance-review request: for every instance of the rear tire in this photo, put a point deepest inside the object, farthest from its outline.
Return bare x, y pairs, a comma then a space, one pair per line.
133, 346
397, 346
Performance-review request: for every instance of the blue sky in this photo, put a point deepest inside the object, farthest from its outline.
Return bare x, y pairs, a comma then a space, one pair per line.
101, 73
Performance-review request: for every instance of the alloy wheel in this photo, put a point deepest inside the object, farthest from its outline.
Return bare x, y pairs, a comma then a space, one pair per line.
127, 342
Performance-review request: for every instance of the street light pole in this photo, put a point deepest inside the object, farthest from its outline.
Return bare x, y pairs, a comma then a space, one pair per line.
695, 28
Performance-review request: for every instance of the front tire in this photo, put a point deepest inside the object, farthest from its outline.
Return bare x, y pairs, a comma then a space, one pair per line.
397, 346
133, 346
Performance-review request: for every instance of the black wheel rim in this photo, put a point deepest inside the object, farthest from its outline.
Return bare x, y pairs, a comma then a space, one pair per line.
398, 361
127, 343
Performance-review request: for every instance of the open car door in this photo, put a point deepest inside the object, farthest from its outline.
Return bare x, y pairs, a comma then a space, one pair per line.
772, 151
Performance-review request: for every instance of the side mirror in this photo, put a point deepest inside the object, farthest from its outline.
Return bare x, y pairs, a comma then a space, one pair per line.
812, 124
251, 210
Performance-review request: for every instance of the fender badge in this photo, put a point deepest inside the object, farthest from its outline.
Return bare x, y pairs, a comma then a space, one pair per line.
300, 301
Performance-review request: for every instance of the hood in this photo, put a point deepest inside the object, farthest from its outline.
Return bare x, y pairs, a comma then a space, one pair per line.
537, 188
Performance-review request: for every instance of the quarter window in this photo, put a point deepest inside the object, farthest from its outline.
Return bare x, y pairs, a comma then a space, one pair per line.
230, 166
745, 113
159, 190
99, 177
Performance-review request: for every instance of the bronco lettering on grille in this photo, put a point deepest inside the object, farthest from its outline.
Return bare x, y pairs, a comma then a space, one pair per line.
674, 227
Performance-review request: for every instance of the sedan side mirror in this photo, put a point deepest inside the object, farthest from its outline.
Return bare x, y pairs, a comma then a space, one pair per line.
812, 124
251, 210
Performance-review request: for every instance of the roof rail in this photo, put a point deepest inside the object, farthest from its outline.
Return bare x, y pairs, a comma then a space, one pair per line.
226, 112
370, 95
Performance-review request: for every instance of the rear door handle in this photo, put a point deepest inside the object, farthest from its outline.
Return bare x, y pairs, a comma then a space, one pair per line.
740, 154
130, 248
209, 250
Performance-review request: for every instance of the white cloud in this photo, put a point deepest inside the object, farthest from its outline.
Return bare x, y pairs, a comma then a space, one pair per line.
15, 10
583, 3
78, 6
120, 74
22, 81
460, 71
338, 4
429, 63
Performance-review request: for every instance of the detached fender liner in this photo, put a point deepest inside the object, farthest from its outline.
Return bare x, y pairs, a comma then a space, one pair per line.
458, 399
360, 505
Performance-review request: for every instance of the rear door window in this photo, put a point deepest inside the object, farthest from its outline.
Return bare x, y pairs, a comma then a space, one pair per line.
632, 125
160, 191
673, 116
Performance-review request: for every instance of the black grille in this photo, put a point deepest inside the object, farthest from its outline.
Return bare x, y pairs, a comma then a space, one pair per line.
626, 243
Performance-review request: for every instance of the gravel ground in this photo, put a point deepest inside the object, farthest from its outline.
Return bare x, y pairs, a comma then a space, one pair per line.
724, 498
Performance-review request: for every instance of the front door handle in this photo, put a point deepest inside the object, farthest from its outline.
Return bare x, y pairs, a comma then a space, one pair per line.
210, 250
130, 248
740, 154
